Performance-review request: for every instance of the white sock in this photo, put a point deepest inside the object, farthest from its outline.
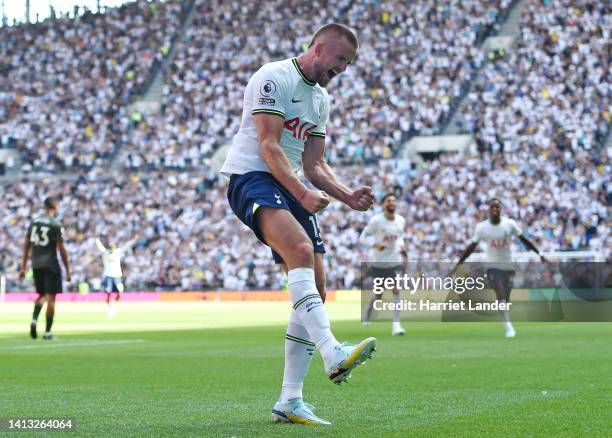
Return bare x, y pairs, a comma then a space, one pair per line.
298, 355
396, 312
505, 317
309, 307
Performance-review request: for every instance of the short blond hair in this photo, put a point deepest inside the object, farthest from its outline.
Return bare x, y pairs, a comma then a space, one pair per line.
338, 28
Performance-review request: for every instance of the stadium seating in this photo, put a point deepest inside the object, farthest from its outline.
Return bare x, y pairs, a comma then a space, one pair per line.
539, 116
66, 82
414, 60
518, 101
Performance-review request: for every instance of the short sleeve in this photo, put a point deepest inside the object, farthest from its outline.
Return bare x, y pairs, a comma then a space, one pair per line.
30, 229
368, 232
402, 227
269, 91
515, 230
323, 113
372, 226
477, 234
59, 232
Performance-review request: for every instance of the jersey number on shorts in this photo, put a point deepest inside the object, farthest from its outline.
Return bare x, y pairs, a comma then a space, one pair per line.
315, 225
40, 236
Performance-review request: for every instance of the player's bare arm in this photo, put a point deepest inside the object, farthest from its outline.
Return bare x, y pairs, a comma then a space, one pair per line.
404, 255
466, 253
529, 244
100, 245
269, 129
321, 175
64, 255
24, 258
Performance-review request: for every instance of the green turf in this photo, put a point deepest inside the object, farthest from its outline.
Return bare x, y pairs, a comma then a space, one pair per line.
439, 380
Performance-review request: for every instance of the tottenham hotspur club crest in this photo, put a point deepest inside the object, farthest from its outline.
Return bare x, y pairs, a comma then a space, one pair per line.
268, 88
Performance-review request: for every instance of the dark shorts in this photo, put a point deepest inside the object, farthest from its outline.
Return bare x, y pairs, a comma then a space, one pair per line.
246, 193
391, 272
47, 281
112, 284
501, 277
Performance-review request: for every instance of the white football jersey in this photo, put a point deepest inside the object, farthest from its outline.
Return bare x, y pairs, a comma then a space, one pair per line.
388, 232
112, 258
279, 88
497, 238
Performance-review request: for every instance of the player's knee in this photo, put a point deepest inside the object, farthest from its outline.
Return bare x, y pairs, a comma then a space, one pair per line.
302, 254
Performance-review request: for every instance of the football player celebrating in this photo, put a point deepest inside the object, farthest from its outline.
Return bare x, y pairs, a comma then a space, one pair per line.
496, 234
286, 109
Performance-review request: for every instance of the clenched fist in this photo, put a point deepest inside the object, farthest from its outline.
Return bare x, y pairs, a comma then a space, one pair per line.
361, 199
314, 200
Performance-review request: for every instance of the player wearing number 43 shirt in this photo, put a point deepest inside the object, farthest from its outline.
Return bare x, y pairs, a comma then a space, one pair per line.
44, 239
385, 235
496, 234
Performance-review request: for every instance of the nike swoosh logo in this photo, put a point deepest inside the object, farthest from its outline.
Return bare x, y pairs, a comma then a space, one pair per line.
319, 242
295, 101
313, 307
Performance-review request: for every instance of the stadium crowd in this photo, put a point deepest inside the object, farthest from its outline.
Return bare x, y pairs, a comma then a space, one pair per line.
553, 90
65, 83
190, 239
538, 116
415, 58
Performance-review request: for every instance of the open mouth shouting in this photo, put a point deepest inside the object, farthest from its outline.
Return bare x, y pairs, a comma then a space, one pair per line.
331, 73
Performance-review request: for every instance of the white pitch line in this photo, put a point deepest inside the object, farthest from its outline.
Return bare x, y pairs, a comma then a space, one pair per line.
73, 344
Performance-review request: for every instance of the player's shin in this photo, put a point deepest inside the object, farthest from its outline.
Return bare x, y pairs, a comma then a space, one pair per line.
298, 356
308, 305
370, 308
505, 317
37, 309
396, 312
49, 323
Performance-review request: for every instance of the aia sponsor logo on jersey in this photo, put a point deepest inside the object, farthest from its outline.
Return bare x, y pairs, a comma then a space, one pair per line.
298, 129
389, 238
498, 244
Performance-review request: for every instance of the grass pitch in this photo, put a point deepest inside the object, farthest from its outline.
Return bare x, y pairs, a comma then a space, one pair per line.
215, 369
